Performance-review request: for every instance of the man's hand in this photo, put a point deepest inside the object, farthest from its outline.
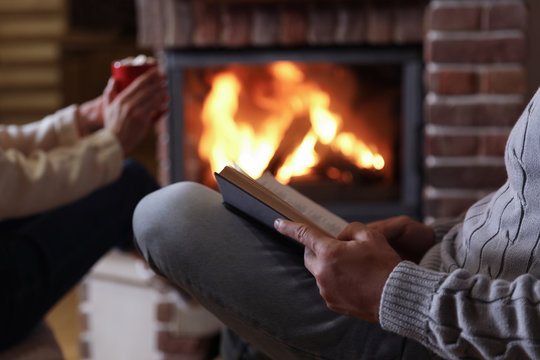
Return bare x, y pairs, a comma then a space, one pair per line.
411, 239
351, 270
130, 114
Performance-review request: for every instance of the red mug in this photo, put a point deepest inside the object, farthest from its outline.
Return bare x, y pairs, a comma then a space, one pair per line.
126, 70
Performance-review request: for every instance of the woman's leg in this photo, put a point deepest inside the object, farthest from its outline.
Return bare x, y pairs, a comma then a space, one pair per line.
42, 257
251, 278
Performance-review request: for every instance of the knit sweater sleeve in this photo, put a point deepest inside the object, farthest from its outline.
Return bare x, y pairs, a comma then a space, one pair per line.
463, 316
60, 170
58, 129
442, 227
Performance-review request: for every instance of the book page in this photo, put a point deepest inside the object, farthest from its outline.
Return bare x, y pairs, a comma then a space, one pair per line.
327, 220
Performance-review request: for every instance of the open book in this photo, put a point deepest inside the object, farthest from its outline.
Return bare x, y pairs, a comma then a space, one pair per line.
266, 199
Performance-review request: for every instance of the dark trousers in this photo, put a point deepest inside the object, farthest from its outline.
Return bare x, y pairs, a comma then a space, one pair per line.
43, 256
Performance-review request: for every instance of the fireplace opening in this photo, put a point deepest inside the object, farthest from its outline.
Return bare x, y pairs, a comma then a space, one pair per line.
342, 127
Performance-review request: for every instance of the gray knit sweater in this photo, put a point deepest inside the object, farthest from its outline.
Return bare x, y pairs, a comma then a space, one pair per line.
476, 294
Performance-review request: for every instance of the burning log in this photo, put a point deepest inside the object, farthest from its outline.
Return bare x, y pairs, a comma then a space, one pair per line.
342, 165
292, 138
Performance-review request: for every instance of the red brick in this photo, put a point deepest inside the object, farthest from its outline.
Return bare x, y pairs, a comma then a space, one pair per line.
501, 81
84, 349
351, 24
493, 145
465, 145
294, 25
84, 322
322, 24
150, 24
505, 16
452, 82
450, 145
177, 33
480, 113
236, 26
177, 344
165, 312
161, 127
380, 25
453, 17
82, 292
447, 207
408, 26
265, 29
206, 20
164, 173
477, 49
466, 177
162, 147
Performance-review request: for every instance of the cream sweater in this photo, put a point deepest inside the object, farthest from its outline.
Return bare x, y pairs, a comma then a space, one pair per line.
478, 297
46, 164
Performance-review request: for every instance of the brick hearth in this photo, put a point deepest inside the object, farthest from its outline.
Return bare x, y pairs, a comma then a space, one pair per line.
474, 54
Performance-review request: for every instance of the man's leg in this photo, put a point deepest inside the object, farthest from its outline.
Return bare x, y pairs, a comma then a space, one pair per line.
252, 278
42, 257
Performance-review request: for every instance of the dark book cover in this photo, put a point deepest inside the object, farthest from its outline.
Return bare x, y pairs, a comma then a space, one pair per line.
247, 204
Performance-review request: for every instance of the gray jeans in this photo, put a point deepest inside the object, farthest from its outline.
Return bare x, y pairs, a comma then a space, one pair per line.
253, 279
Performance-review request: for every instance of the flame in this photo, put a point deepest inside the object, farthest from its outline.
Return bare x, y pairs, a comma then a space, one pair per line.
226, 138
286, 71
300, 161
358, 151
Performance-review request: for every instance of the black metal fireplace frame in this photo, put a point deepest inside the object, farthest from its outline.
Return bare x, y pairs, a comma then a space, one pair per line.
408, 57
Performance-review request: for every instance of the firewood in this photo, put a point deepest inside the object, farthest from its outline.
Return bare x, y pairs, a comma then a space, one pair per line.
291, 140
334, 159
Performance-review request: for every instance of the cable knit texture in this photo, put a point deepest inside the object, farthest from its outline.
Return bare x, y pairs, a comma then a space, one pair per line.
484, 300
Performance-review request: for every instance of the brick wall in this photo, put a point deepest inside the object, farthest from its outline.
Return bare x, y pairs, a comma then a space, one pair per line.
242, 23
475, 83
234, 24
475, 78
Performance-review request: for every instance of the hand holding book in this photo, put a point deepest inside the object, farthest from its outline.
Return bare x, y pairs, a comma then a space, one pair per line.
266, 200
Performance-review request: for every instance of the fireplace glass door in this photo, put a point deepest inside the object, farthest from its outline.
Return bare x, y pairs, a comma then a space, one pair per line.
342, 127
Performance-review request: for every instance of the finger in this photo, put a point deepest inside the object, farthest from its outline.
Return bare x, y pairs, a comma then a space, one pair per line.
390, 228
351, 231
148, 79
152, 108
155, 100
140, 88
153, 91
303, 233
108, 93
359, 231
159, 114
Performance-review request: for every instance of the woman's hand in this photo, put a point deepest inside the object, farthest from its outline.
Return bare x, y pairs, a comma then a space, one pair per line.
90, 116
131, 113
350, 270
411, 239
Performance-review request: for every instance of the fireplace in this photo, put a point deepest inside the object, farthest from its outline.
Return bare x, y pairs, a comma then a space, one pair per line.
473, 75
340, 125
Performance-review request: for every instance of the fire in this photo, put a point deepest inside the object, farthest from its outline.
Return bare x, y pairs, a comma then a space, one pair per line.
230, 134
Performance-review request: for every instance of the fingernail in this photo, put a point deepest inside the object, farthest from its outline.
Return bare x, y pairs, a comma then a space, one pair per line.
277, 223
